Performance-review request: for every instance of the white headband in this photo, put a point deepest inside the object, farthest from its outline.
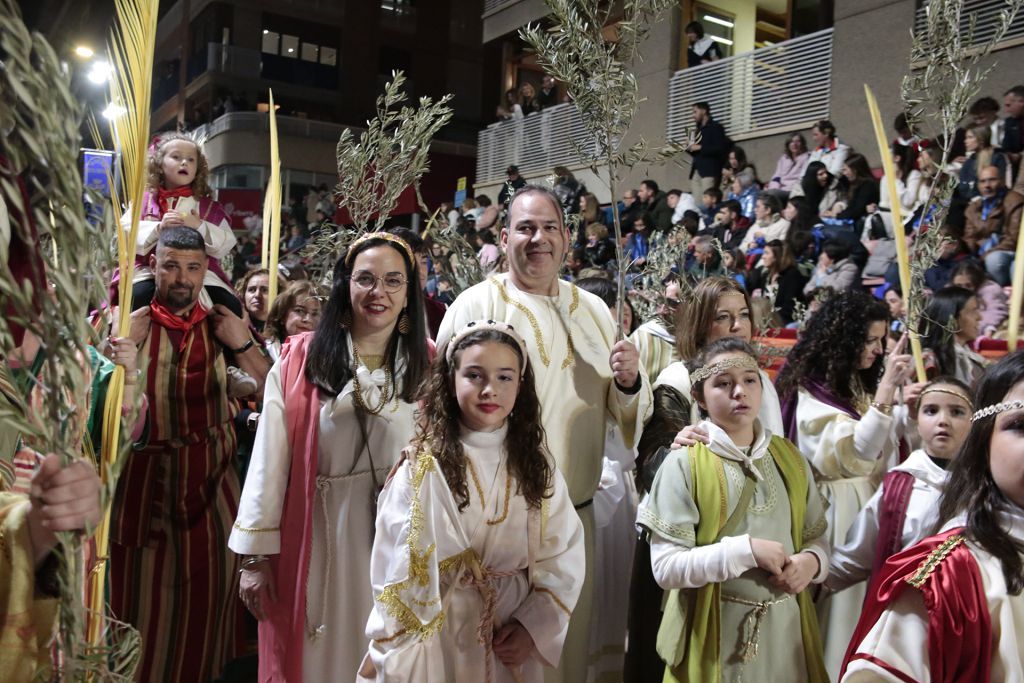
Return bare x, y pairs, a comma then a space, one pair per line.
481, 325
997, 408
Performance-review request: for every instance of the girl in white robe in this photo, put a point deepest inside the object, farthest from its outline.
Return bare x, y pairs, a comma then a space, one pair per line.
950, 608
478, 559
904, 509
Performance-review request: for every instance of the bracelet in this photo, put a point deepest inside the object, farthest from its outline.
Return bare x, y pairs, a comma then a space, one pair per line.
253, 559
244, 347
131, 380
884, 408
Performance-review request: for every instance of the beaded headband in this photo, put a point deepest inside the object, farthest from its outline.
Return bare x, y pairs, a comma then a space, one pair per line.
395, 239
997, 408
480, 325
952, 392
743, 361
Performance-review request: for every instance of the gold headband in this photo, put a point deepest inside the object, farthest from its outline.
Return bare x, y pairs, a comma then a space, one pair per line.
997, 408
394, 239
480, 325
743, 361
952, 392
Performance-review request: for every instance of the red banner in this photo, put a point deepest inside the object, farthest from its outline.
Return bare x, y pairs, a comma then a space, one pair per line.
241, 206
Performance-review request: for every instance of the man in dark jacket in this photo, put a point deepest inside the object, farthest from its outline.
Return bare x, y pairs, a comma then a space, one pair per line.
514, 181
656, 204
709, 152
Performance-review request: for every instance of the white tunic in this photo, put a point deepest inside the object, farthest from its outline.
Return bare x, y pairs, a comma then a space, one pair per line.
678, 377
900, 637
425, 624
852, 561
338, 597
656, 346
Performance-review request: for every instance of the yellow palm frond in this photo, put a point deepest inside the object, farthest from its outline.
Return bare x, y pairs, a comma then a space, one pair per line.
272, 206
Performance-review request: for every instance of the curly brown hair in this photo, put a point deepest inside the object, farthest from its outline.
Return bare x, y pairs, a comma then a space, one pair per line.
201, 183
528, 459
830, 347
285, 302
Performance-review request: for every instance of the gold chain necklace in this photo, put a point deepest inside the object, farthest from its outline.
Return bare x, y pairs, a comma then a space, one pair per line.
357, 397
537, 334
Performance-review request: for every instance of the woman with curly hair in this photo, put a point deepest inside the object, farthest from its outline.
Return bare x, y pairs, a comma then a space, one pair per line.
477, 538
296, 310
837, 390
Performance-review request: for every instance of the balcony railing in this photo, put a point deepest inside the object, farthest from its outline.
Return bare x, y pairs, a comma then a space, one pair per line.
769, 90
259, 122
987, 12
536, 144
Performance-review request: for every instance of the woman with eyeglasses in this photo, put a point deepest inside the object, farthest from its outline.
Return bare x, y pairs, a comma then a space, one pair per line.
338, 409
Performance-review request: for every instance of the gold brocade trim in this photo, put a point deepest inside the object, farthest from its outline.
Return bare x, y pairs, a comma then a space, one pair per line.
667, 529
390, 638
480, 492
932, 561
465, 558
537, 334
255, 529
549, 593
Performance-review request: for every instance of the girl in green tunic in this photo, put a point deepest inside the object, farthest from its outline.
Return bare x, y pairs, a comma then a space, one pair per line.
737, 533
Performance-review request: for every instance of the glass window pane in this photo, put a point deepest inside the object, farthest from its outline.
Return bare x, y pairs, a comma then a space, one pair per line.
309, 52
290, 46
328, 56
270, 40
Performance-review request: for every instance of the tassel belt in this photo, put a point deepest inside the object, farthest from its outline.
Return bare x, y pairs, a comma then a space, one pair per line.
752, 623
483, 579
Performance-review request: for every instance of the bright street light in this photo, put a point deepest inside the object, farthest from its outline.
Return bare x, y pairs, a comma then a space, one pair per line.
113, 111
84, 51
100, 72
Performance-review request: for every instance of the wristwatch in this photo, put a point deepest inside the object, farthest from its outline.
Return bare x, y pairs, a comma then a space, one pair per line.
253, 421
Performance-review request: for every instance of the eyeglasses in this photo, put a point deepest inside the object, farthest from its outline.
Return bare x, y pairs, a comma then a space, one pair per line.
302, 312
391, 283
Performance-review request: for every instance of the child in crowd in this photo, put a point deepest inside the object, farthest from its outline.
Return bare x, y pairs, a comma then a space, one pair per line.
905, 509
949, 608
737, 533
177, 193
477, 545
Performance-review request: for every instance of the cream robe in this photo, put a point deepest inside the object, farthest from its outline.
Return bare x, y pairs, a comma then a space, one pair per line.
576, 393
900, 637
852, 561
849, 458
678, 377
338, 596
424, 624
656, 346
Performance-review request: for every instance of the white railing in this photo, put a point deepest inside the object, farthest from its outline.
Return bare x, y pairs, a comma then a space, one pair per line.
769, 90
257, 121
536, 143
987, 12
491, 5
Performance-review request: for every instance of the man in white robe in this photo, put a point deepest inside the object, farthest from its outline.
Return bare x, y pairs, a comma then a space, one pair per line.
583, 374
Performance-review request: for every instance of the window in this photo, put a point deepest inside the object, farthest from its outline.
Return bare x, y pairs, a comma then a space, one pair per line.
290, 47
328, 56
271, 39
310, 52
718, 26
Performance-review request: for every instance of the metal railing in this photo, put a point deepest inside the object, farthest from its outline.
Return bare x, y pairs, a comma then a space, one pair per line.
260, 122
987, 12
536, 143
769, 90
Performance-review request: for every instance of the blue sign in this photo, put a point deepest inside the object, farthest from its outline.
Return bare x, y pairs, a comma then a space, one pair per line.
98, 170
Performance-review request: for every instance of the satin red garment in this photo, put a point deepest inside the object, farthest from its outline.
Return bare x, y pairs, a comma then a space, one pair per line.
959, 627
163, 197
166, 318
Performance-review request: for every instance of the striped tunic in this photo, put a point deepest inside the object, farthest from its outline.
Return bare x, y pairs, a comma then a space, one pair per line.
171, 574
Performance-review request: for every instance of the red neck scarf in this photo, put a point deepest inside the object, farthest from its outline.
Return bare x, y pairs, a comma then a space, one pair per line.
166, 318
163, 196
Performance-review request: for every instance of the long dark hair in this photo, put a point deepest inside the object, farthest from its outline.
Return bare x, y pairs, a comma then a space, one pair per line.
830, 347
858, 163
528, 458
328, 364
940, 325
813, 191
971, 488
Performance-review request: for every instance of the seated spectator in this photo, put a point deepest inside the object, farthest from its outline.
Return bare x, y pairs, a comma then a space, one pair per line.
991, 297
630, 208
980, 154
953, 251
1013, 125
858, 188
736, 163
638, 243
892, 295
827, 148
735, 266
768, 224
730, 225
296, 239
711, 202
488, 250
819, 187
950, 322
655, 203
985, 216
701, 49
791, 165
905, 136
912, 191
575, 261
568, 190
744, 190
835, 270
599, 249
800, 235
488, 218
510, 108
706, 259
779, 280
470, 210
999, 259
680, 202
690, 223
